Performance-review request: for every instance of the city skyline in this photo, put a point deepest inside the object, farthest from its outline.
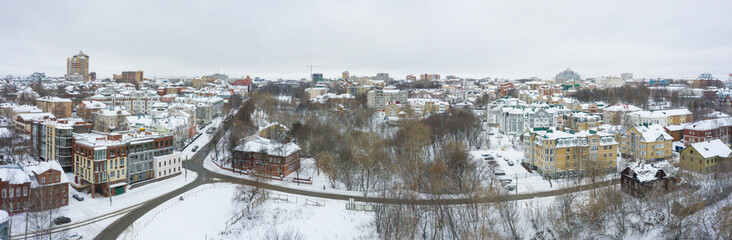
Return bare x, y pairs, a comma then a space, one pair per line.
278, 40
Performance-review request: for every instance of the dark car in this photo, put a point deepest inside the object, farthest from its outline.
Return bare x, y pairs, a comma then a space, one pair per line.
61, 220
195, 148
77, 197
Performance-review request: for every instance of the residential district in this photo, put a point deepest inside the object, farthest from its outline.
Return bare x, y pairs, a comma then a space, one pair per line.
107, 158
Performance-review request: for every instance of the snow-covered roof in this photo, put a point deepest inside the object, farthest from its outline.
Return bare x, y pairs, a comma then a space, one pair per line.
709, 124
33, 169
661, 113
4, 132
54, 99
272, 148
675, 127
35, 116
92, 104
647, 172
622, 108
4, 217
714, 148
13, 174
653, 133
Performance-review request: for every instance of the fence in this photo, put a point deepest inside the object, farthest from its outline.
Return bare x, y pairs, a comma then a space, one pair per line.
352, 205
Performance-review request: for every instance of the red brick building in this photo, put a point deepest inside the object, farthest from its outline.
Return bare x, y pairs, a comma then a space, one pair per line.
707, 130
640, 179
37, 186
269, 157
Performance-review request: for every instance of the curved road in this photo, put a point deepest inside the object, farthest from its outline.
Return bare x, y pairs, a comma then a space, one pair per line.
114, 230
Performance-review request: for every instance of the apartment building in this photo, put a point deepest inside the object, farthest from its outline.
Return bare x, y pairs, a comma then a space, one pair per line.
52, 139
379, 98
557, 154
86, 109
580, 121
646, 143
708, 130
427, 106
662, 117
134, 77
143, 148
100, 162
77, 67
705, 157
615, 114
110, 119
59, 107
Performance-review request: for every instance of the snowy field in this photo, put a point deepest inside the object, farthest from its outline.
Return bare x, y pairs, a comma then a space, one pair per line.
204, 211
99, 212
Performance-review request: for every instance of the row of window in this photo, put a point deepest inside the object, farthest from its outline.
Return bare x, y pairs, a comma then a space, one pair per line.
13, 192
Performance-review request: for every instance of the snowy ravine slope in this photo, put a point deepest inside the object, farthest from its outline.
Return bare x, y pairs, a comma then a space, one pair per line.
204, 211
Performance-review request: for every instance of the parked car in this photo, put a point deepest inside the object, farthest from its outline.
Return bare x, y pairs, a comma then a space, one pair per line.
510, 163
195, 148
489, 157
498, 154
510, 187
499, 172
61, 220
490, 134
72, 236
492, 162
77, 197
505, 181
485, 155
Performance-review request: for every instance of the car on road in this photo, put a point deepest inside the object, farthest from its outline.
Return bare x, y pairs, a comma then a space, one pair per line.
72, 236
510, 187
77, 197
499, 172
489, 157
195, 148
510, 163
61, 220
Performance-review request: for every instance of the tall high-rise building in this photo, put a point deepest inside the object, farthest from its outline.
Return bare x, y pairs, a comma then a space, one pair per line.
317, 77
346, 74
77, 67
566, 76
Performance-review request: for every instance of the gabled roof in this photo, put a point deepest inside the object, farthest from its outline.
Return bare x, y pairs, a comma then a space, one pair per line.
653, 133
714, 148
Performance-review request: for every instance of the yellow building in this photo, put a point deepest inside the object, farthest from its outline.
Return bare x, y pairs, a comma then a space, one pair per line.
557, 154
199, 83
101, 163
646, 143
580, 121
59, 107
704, 157
77, 67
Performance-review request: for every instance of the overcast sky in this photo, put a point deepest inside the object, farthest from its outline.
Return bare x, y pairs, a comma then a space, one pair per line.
277, 39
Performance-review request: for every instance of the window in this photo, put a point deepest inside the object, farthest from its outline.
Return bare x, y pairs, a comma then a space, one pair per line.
4, 193
11, 192
25, 191
43, 180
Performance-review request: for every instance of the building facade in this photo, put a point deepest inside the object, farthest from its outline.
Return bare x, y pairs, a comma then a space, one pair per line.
646, 143
267, 157
558, 154
59, 107
705, 157
77, 67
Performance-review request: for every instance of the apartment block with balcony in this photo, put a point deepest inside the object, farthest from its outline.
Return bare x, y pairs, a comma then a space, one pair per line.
646, 143
558, 154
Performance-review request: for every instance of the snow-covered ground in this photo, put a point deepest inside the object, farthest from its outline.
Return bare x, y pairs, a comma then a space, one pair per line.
320, 182
204, 211
93, 208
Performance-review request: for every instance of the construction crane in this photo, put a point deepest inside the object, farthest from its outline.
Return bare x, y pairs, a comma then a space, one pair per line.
311, 69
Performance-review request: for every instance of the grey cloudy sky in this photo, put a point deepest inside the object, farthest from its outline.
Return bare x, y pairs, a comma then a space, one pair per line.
277, 39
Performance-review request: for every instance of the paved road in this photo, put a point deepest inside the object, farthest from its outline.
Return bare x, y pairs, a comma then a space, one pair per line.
114, 230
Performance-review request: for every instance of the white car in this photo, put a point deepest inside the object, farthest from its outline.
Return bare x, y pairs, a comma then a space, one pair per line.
498, 154
72, 236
